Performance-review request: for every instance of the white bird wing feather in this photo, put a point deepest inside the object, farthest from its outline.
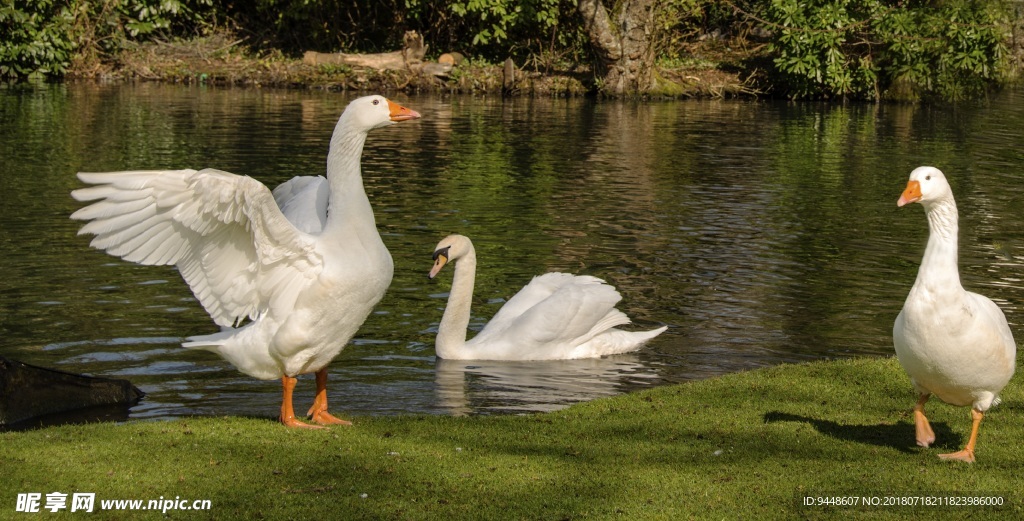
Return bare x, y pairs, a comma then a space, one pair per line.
561, 308
538, 289
303, 200
995, 318
229, 239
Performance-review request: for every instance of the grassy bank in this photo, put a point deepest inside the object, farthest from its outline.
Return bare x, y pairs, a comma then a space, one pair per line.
741, 446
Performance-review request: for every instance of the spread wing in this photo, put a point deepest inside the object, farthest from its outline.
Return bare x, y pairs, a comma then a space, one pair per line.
229, 239
303, 200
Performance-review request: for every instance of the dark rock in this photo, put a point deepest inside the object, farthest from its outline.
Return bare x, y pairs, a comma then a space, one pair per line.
28, 391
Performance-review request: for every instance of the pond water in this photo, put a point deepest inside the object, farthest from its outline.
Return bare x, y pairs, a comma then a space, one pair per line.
760, 232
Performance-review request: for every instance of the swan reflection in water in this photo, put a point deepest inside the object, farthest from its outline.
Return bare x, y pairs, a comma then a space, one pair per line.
482, 386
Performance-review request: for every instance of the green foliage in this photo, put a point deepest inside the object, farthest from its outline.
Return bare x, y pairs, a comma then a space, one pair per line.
142, 17
861, 48
818, 46
35, 38
488, 29
491, 20
955, 51
324, 25
684, 20
44, 36
500, 28
502, 13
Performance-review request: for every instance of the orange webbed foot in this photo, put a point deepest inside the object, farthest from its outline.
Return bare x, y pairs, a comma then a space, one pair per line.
922, 429
967, 454
963, 455
296, 424
318, 412
326, 418
287, 416
924, 434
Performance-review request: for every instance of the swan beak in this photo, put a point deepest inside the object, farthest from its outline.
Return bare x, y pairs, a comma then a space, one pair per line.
400, 113
911, 195
439, 261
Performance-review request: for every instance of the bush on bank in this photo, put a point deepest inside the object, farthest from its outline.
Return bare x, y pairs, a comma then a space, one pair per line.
816, 49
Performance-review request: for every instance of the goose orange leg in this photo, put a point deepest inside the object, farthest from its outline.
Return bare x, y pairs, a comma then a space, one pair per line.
318, 412
967, 454
287, 411
922, 429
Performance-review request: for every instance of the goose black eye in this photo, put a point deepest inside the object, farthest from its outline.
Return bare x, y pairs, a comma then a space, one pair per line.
376, 102
927, 178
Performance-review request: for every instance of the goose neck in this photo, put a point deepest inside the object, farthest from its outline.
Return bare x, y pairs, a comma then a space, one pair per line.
939, 266
348, 206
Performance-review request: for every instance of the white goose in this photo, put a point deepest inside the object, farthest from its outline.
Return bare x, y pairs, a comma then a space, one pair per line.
953, 343
305, 265
557, 316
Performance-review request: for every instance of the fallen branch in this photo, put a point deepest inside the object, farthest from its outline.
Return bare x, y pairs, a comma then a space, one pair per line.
408, 58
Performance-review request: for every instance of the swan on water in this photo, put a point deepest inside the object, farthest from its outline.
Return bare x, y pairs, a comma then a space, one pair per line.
557, 316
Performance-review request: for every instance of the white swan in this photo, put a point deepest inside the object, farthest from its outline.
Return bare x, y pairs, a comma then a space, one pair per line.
953, 343
557, 316
305, 265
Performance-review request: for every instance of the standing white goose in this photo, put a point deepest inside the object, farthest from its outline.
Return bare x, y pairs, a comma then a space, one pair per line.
557, 316
953, 343
305, 269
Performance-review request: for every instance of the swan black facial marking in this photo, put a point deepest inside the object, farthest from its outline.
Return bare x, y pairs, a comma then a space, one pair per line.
442, 252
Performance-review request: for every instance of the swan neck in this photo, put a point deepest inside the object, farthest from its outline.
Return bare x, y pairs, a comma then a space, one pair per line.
939, 267
451, 333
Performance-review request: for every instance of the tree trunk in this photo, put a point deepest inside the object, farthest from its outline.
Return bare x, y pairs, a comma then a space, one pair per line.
624, 43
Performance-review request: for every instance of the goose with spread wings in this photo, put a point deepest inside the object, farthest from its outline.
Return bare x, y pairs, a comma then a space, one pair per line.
289, 275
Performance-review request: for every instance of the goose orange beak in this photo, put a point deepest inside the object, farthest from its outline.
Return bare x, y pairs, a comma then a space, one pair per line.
912, 194
400, 113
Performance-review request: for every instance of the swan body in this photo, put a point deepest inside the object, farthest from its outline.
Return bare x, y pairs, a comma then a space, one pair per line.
954, 344
301, 266
557, 316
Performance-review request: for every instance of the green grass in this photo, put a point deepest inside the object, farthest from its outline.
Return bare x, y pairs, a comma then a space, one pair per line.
742, 446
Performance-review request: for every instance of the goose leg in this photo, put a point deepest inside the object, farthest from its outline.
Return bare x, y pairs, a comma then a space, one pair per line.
922, 429
318, 412
287, 411
967, 454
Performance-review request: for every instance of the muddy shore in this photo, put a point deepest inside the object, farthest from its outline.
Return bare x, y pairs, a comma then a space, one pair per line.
221, 59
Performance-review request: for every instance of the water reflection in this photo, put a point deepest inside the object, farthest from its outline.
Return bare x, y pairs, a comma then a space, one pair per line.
761, 233
465, 387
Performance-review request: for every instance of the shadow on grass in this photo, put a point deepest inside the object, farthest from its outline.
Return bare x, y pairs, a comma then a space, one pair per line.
95, 414
899, 436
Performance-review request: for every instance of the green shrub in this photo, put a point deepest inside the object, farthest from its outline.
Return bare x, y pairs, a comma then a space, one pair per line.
521, 29
862, 48
36, 38
44, 36
955, 52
